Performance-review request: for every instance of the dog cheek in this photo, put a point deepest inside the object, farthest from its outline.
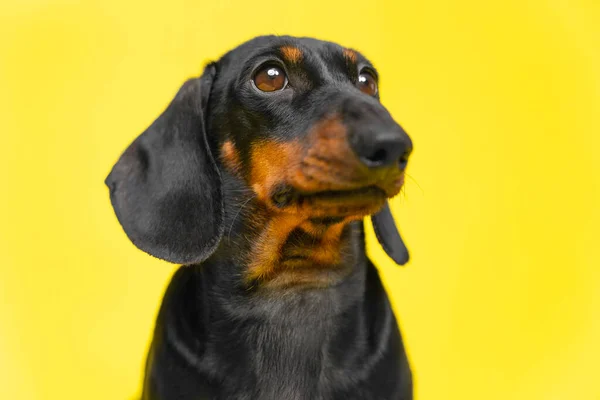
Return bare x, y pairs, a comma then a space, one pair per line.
271, 165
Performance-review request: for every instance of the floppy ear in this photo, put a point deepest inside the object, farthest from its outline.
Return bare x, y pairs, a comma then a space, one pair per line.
166, 188
388, 235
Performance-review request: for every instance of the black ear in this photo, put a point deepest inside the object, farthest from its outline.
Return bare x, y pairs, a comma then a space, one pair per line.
166, 188
388, 235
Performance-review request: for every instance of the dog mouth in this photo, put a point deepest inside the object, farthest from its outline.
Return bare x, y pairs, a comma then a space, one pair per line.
330, 206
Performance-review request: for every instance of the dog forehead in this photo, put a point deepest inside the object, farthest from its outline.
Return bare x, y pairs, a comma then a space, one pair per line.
310, 49
271, 42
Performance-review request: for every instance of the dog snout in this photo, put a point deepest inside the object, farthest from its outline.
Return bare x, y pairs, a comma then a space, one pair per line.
375, 138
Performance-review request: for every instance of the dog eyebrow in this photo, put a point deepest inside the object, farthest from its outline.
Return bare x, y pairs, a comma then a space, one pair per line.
352, 60
350, 55
291, 54
263, 57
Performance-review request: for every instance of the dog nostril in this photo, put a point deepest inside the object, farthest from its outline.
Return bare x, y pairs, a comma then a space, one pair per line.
403, 162
379, 157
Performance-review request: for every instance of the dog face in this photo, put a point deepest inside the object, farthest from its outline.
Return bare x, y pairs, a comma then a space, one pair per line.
300, 120
298, 125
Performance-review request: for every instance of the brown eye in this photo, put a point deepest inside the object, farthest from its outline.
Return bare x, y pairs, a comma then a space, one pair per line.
270, 79
367, 83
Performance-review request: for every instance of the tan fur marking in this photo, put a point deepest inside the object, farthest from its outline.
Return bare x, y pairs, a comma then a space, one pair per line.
327, 252
350, 55
329, 163
266, 253
270, 163
230, 157
291, 54
273, 163
267, 250
322, 161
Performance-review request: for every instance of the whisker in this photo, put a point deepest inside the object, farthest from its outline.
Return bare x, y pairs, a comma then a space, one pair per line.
415, 181
236, 215
403, 192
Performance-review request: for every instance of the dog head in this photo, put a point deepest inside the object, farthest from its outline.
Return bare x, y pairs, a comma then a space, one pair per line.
297, 122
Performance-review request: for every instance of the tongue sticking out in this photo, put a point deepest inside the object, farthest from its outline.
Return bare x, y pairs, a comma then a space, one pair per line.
388, 235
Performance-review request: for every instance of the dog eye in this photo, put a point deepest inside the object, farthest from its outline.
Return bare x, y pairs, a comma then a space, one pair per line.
367, 83
270, 79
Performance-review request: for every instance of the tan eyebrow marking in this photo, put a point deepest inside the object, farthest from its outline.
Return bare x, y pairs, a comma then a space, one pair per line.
231, 157
291, 53
350, 55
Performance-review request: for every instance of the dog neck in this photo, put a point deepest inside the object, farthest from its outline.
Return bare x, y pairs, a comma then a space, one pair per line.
228, 289
285, 334
285, 337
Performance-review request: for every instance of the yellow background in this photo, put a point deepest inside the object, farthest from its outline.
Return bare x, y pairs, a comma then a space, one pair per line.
502, 99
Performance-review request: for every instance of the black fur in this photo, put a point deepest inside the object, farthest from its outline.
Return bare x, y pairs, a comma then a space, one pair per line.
217, 335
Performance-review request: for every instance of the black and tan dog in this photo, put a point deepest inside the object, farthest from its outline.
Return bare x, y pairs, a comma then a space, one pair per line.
256, 178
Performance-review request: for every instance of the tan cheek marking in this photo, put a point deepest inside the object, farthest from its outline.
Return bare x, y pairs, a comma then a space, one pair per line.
230, 157
291, 54
271, 163
350, 55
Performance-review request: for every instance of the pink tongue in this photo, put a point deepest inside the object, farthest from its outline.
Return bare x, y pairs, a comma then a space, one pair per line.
388, 235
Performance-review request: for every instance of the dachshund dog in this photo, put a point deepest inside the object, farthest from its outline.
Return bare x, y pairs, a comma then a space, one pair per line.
257, 178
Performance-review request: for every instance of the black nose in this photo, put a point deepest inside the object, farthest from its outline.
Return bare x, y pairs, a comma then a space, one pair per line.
376, 139
383, 150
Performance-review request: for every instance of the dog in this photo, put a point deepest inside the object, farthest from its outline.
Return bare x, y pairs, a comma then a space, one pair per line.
257, 178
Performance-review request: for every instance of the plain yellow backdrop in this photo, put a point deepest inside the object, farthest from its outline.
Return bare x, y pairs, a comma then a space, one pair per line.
502, 297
